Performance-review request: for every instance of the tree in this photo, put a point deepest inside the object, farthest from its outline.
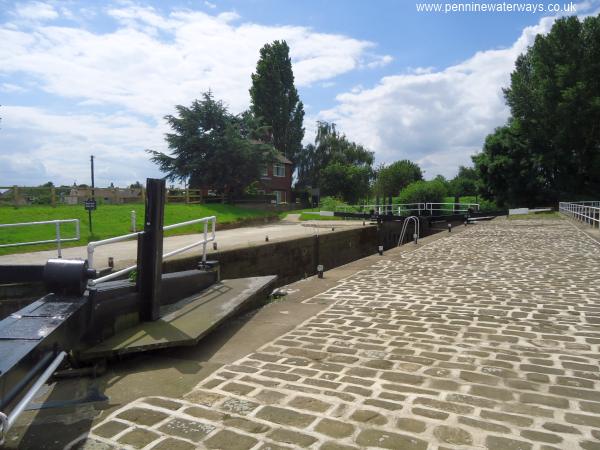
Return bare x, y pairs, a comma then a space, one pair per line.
554, 99
465, 182
511, 171
210, 148
350, 163
422, 191
346, 181
395, 177
275, 101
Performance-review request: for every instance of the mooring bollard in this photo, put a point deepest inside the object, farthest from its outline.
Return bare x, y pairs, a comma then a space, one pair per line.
133, 221
332, 229
320, 270
416, 238
466, 223
111, 262
267, 238
214, 245
380, 249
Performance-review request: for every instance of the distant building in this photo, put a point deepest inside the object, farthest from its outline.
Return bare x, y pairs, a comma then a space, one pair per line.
114, 196
276, 179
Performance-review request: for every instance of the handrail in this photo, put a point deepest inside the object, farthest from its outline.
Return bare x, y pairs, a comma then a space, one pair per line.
58, 238
415, 220
7, 421
203, 243
587, 211
419, 207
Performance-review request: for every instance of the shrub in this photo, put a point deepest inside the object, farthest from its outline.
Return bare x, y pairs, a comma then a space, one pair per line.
333, 204
432, 191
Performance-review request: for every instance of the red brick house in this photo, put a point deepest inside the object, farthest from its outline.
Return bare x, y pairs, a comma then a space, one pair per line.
276, 178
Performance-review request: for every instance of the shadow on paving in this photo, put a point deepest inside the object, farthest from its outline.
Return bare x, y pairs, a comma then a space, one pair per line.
172, 372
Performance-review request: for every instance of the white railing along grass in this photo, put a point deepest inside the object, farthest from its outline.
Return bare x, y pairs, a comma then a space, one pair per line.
203, 242
57, 238
587, 211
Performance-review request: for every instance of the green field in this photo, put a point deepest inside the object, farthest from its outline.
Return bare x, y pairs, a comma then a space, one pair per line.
304, 216
540, 215
107, 220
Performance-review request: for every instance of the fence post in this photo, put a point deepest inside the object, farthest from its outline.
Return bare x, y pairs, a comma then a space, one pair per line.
187, 196
16, 195
58, 239
53, 196
204, 244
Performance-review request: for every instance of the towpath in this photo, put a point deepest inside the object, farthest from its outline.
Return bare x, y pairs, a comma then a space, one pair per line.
124, 253
484, 339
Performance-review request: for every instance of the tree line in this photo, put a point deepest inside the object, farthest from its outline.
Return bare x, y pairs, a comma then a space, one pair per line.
210, 147
549, 149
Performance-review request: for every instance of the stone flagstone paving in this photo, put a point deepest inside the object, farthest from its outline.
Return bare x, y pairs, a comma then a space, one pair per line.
486, 339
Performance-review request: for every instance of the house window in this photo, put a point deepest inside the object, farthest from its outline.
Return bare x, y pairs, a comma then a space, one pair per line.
279, 170
264, 171
279, 197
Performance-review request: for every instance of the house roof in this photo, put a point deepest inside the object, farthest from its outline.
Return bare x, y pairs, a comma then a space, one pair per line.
282, 159
278, 155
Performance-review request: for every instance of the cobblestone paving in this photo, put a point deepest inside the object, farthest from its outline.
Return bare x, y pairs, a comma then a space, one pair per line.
484, 339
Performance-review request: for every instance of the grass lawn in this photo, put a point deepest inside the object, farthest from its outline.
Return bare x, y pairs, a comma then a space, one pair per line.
305, 216
283, 214
540, 215
107, 220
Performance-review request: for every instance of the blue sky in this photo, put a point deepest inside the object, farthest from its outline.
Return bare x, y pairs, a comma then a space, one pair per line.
81, 78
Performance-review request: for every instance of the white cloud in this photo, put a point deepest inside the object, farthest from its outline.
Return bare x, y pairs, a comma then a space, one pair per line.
209, 5
151, 62
59, 145
145, 65
35, 11
438, 118
9, 87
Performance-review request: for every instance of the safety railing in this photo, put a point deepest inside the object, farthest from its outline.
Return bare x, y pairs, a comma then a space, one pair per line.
431, 208
452, 207
415, 221
57, 239
7, 421
206, 239
408, 208
411, 208
587, 212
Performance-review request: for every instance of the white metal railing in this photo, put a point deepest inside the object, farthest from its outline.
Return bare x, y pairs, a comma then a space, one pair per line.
588, 211
7, 421
403, 208
58, 239
452, 207
206, 239
415, 221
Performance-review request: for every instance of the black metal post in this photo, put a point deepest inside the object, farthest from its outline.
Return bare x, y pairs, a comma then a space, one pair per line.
150, 262
93, 193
